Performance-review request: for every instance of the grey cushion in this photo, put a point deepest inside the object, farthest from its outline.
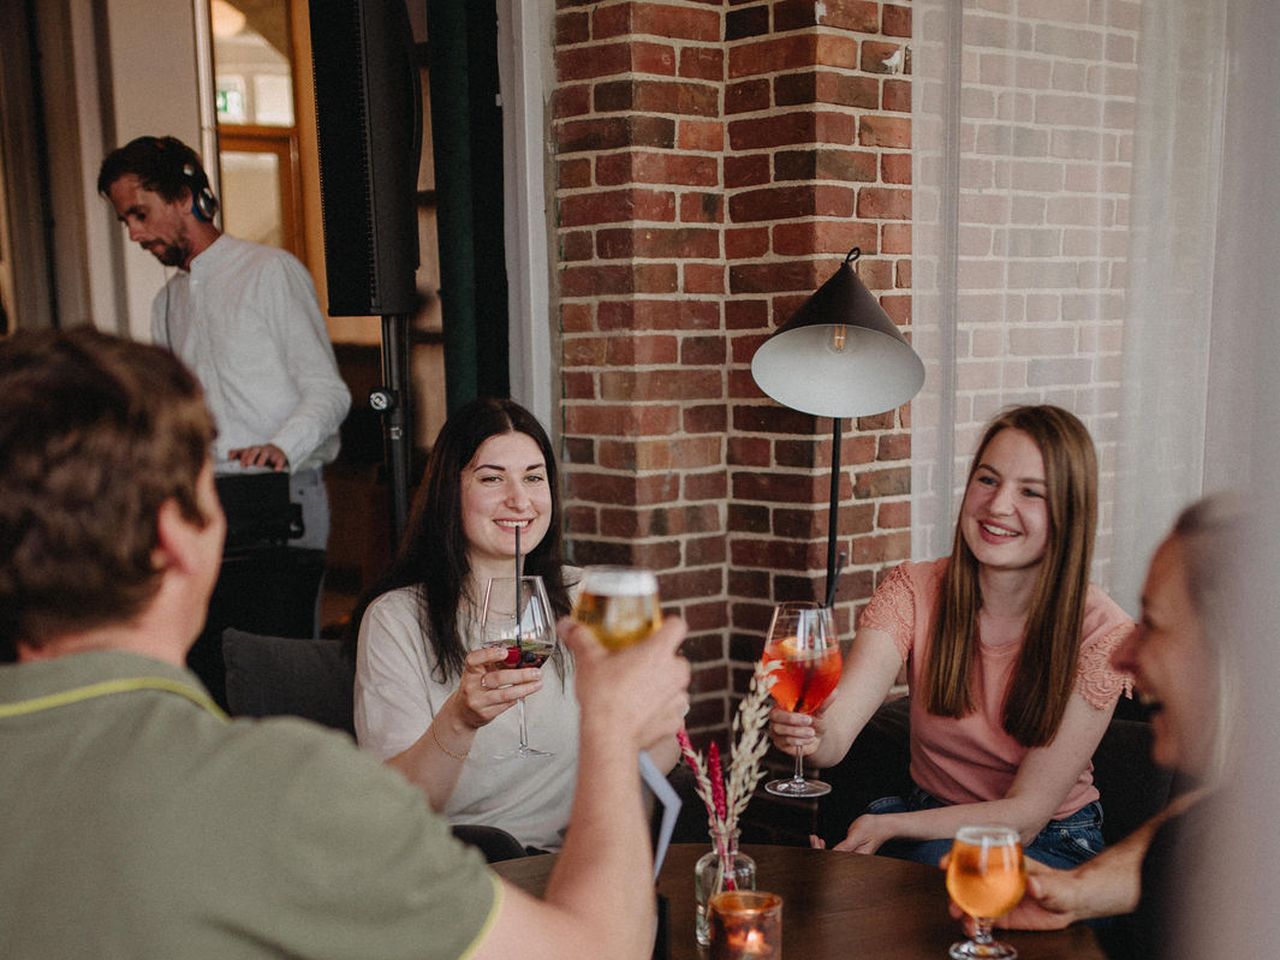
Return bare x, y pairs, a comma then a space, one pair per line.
274, 676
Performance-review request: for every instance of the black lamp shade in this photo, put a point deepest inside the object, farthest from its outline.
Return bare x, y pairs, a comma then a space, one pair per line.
804, 367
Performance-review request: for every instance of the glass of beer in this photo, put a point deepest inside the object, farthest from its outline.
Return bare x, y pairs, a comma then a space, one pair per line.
618, 604
986, 878
802, 637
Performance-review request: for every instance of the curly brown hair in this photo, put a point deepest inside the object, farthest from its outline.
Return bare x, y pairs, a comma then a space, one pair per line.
96, 433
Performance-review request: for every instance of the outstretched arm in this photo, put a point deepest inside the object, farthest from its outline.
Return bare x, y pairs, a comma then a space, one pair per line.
600, 899
1108, 885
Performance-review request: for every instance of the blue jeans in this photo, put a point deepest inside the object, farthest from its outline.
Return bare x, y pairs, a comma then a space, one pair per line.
1063, 843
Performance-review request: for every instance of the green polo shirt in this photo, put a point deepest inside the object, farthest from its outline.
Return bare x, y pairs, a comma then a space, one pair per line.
136, 821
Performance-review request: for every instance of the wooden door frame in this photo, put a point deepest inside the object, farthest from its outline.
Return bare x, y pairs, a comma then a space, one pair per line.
283, 142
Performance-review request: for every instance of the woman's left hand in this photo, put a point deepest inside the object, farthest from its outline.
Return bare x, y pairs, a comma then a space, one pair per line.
485, 692
867, 833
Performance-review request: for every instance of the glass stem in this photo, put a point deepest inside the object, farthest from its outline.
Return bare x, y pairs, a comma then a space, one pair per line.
524, 730
799, 777
982, 931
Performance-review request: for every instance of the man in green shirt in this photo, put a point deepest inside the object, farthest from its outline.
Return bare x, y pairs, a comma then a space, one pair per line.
138, 822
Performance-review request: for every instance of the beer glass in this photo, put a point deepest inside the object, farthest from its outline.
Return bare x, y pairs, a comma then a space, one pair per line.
618, 604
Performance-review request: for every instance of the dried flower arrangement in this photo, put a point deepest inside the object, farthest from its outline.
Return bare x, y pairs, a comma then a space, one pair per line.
726, 798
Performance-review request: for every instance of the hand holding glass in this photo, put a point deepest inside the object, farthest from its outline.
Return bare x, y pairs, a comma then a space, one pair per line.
986, 878
517, 616
802, 638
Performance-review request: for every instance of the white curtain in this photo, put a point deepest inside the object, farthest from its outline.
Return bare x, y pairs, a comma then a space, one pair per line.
1068, 238
1151, 262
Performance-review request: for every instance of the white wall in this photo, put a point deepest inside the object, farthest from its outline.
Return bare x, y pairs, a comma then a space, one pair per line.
135, 74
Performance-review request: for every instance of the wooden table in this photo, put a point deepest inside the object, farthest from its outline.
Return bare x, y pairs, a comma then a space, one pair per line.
835, 906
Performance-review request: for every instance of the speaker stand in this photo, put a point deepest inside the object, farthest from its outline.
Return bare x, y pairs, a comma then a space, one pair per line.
392, 401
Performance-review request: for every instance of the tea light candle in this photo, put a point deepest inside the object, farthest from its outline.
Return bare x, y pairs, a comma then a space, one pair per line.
746, 925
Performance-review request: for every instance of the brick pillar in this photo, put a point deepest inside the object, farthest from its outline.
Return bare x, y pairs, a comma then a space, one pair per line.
817, 162
714, 162
640, 210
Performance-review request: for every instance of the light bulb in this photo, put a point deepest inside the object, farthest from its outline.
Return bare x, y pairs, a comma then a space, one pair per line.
838, 335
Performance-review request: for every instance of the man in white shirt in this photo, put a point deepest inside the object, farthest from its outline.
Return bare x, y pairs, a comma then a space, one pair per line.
244, 318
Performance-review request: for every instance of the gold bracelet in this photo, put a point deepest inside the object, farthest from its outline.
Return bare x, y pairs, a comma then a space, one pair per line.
460, 757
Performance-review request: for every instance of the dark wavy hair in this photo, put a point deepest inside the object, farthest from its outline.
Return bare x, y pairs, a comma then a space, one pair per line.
159, 163
433, 550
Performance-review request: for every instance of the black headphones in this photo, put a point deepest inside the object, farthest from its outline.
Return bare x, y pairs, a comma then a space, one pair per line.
204, 205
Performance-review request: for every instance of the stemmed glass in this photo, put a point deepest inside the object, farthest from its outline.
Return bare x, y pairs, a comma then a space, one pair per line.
986, 878
517, 616
802, 637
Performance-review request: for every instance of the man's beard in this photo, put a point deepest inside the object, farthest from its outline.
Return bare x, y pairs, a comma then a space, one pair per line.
173, 254
170, 255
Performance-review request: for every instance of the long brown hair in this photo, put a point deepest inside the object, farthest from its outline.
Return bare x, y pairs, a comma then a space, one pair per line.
1045, 674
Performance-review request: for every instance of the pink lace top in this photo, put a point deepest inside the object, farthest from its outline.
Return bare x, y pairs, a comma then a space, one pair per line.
972, 759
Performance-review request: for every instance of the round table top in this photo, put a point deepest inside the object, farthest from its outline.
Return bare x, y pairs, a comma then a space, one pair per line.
834, 906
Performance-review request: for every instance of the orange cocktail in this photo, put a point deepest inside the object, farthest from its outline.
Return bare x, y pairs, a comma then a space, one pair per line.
802, 642
986, 878
805, 679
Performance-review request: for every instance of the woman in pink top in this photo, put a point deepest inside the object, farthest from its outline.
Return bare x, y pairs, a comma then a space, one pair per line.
1007, 647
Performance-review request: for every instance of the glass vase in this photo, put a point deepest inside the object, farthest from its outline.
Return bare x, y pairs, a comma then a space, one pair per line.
720, 868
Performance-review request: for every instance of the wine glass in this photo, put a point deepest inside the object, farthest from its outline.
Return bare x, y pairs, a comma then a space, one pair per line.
517, 616
802, 638
618, 604
986, 878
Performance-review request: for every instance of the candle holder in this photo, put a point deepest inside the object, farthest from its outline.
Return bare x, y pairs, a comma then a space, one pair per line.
746, 925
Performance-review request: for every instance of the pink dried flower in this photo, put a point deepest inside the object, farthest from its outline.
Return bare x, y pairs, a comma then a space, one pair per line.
696, 764
715, 773
686, 747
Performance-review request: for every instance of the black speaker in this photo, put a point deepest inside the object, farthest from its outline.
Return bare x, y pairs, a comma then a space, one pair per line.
369, 120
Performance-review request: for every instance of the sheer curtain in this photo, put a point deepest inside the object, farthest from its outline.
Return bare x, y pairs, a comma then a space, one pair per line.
1140, 286
1068, 168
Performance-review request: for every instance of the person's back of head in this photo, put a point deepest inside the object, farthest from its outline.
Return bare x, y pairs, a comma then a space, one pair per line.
96, 433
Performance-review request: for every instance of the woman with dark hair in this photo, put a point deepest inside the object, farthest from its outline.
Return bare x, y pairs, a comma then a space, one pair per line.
1007, 648
426, 696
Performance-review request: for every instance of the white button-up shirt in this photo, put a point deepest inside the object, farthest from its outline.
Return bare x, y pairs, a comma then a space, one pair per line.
246, 321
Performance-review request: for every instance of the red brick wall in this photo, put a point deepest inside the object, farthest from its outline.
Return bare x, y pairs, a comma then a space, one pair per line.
714, 162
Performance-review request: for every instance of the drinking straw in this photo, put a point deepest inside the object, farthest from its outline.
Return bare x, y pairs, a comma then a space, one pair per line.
831, 587
517, 585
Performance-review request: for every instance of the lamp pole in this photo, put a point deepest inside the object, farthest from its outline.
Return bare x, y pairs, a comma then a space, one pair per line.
833, 520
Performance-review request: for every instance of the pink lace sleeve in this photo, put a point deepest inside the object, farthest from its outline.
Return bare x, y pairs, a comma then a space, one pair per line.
1097, 681
892, 609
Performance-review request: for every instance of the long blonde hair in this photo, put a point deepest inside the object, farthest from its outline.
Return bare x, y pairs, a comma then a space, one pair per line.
1045, 674
1212, 531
